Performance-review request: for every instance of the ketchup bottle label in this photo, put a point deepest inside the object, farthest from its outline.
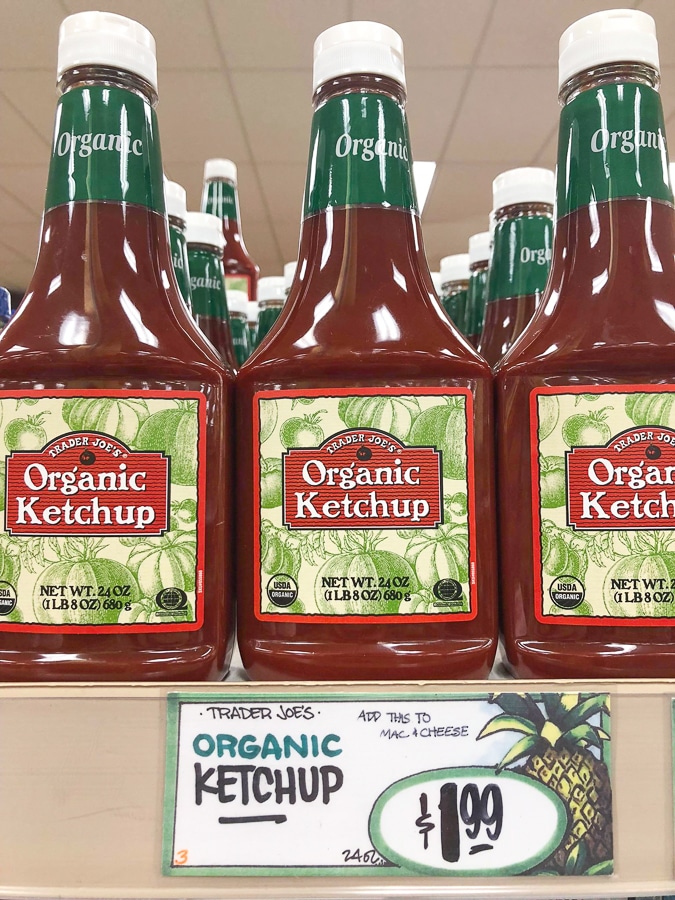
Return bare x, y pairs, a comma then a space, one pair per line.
105, 148
365, 508
103, 511
238, 282
612, 145
603, 487
522, 257
359, 155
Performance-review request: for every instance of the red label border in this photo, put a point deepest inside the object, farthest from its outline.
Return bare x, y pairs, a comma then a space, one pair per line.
328, 393
131, 628
593, 621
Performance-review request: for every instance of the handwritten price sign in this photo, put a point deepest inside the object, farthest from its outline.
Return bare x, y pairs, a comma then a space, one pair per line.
360, 784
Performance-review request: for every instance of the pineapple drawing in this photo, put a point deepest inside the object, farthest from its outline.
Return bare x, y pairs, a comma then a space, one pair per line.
555, 746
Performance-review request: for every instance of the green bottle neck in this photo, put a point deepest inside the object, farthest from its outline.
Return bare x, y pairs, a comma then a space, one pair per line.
522, 252
359, 147
179, 258
612, 139
106, 141
207, 282
220, 198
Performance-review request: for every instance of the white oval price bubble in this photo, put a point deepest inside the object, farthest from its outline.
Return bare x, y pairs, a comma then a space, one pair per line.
467, 821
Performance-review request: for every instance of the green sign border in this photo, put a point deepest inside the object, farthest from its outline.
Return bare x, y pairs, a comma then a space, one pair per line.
430, 776
176, 698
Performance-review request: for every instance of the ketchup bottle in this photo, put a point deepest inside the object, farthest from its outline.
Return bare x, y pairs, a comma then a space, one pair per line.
587, 395
176, 209
207, 282
290, 268
455, 288
521, 256
271, 299
237, 304
221, 198
479, 263
114, 445
252, 311
365, 504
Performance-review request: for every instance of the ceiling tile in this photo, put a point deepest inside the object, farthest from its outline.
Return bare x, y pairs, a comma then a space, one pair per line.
548, 155
12, 208
434, 32
505, 118
22, 239
287, 232
181, 28
19, 143
30, 31
262, 244
283, 187
526, 33
663, 12
460, 190
278, 35
198, 119
430, 121
277, 112
15, 271
28, 184
444, 238
34, 95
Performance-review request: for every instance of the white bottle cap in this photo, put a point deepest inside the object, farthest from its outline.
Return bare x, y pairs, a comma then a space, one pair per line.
237, 302
455, 268
613, 35
354, 48
479, 247
289, 274
436, 278
252, 311
220, 168
527, 185
203, 228
106, 39
176, 199
271, 288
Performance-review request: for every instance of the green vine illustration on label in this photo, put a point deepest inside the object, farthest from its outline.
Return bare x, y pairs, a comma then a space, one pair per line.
101, 511
563, 743
604, 481
364, 505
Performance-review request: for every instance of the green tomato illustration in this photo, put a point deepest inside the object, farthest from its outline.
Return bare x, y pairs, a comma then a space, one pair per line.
268, 418
552, 481
302, 431
444, 427
270, 483
394, 415
651, 409
174, 431
549, 410
119, 417
26, 434
654, 564
586, 430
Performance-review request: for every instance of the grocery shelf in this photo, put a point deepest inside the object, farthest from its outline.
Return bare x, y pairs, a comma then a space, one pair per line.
82, 783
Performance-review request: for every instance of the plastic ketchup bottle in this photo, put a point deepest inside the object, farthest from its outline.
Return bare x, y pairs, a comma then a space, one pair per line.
114, 441
365, 466
587, 395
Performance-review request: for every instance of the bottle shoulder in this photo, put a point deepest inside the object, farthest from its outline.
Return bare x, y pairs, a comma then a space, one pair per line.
104, 288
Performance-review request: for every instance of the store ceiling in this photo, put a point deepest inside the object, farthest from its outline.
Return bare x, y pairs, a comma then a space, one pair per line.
235, 81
